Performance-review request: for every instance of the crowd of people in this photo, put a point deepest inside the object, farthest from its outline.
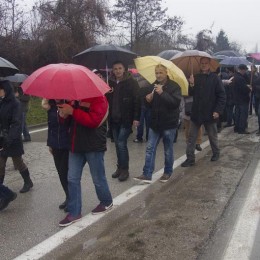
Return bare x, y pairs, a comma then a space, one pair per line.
77, 130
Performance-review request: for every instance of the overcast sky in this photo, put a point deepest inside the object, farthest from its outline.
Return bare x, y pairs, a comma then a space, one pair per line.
239, 19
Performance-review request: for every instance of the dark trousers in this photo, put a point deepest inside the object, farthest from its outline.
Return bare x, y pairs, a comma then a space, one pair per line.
145, 119
230, 114
212, 131
241, 116
61, 159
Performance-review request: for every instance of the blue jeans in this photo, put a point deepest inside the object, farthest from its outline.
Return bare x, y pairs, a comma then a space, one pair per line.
25, 131
121, 134
5, 192
241, 116
153, 141
77, 162
144, 120
212, 131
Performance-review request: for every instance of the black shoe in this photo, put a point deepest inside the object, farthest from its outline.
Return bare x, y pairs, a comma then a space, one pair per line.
198, 147
116, 173
227, 125
188, 163
25, 140
124, 174
4, 202
28, 184
214, 157
138, 140
243, 133
63, 205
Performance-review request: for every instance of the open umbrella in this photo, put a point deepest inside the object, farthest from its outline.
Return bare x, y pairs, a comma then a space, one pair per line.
167, 54
234, 61
7, 68
229, 53
103, 56
17, 78
189, 61
146, 68
64, 81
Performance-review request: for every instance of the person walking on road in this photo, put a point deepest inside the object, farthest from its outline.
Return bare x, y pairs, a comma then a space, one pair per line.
241, 94
124, 111
58, 143
164, 101
208, 103
88, 145
6, 196
11, 144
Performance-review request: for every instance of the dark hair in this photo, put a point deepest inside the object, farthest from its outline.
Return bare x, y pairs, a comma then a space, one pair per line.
120, 62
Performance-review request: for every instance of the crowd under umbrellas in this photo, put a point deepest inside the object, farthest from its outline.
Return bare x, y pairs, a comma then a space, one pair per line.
78, 81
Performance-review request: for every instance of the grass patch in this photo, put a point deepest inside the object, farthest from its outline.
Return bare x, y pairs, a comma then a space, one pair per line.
36, 114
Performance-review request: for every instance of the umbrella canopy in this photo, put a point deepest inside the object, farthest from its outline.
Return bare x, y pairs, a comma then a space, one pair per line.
17, 78
7, 68
219, 57
103, 56
234, 61
189, 61
255, 56
228, 53
167, 54
64, 81
146, 68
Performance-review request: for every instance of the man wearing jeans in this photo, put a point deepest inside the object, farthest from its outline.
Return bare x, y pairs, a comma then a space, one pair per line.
208, 103
164, 101
124, 111
88, 144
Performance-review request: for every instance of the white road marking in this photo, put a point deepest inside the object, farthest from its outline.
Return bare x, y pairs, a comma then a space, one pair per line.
243, 235
38, 130
67, 233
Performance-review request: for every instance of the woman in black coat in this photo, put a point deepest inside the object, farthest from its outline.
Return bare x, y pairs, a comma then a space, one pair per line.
11, 144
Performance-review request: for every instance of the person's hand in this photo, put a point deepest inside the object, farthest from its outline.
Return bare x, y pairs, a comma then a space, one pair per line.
191, 80
50, 150
215, 115
149, 97
65, 110
158, 88
135, 123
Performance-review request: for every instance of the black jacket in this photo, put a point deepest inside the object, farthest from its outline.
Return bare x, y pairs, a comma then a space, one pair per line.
208, 97
241, 92
165, 107
10, 123
124, 103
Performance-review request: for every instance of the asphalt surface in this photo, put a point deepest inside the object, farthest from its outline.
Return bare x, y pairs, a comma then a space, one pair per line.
175, 220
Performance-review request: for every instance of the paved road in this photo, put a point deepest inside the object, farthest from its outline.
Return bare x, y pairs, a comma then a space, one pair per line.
34, 216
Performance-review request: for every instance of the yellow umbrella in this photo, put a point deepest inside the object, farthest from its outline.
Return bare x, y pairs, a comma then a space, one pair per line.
146, 68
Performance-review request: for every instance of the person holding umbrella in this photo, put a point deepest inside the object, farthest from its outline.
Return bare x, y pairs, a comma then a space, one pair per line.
11, 144
124, 111
209, 101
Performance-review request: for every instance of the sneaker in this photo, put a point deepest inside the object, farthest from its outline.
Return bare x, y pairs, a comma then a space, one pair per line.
68, 220
165, 177
5, 202
99, 209
143, 179
188, 163
137, 141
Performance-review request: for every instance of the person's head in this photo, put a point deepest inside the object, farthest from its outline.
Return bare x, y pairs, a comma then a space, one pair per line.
98, 73
5, 88
161, 73
242, 69
204, 64
119, 69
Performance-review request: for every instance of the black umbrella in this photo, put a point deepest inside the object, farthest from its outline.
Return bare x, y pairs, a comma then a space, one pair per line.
228, 53
234, 61
7, 68
167, 54
103, 56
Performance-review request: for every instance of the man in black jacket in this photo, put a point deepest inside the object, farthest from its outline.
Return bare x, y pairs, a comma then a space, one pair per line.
241, 94
208, 103
124, 111
164, 100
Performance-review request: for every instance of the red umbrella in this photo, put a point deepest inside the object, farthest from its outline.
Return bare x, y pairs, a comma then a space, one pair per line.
64, 81
255, 56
